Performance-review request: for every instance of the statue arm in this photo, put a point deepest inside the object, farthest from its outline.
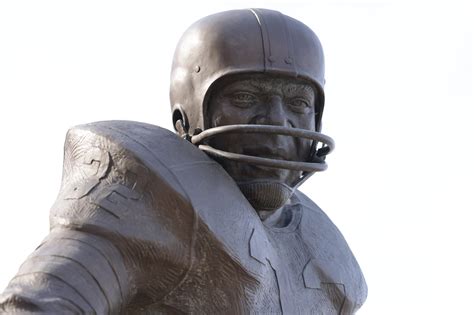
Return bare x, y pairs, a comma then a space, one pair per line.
70, 272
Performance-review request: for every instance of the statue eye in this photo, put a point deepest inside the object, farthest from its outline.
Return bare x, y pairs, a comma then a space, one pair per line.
243, 99
243, 96
299, 105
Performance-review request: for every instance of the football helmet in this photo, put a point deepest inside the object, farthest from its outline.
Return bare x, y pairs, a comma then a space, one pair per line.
246, 42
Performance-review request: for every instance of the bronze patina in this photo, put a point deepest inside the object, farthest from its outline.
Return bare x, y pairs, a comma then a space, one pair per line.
209, 219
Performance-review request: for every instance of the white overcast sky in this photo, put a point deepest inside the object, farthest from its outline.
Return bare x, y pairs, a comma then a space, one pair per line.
399, 105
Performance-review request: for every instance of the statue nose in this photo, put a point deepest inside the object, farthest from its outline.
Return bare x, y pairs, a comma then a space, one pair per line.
274, 113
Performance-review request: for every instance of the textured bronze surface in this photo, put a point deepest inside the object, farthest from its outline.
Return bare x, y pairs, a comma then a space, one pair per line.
147, 223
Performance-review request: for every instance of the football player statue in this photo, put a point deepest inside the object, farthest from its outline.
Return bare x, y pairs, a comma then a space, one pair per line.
207, 220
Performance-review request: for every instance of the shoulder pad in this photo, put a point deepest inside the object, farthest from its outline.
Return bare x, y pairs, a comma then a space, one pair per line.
118, 184
119, 188
131, 147
334, 259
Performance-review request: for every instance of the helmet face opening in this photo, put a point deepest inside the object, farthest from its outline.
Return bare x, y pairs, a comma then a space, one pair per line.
263, 120
221, 82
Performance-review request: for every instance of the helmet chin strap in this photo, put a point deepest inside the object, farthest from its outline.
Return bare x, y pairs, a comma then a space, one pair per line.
316, 161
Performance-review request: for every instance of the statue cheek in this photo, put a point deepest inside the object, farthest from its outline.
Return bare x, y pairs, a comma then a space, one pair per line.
234, 116
305, 122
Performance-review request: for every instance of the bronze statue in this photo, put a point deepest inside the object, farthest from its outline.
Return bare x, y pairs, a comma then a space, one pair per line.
207, 220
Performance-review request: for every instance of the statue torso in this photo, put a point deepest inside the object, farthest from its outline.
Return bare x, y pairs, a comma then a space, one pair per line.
191, 241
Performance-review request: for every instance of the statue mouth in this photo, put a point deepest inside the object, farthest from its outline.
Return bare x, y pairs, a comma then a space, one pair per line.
243, 172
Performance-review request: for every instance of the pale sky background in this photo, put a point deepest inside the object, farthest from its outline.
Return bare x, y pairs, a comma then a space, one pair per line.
399, 105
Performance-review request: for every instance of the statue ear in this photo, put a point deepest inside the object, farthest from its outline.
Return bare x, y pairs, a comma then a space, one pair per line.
180, 122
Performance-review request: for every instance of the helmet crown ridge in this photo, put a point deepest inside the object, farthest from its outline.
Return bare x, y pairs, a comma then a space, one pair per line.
237, 42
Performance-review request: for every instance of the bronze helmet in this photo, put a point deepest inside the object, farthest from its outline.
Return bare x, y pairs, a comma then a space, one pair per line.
243, 42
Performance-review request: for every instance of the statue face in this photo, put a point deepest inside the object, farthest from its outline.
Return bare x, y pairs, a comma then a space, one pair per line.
265, 100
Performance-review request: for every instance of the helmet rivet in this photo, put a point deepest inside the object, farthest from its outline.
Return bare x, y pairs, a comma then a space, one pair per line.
288, 60
271, 58
197, 69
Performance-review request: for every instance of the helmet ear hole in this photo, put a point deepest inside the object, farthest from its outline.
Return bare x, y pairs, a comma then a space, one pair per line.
180, 121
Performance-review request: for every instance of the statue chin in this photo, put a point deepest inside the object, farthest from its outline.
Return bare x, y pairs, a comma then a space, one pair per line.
266, 195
